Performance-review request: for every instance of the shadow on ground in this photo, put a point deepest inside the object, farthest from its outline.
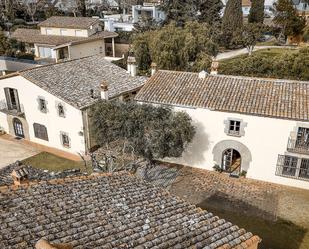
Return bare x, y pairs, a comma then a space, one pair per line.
276, 233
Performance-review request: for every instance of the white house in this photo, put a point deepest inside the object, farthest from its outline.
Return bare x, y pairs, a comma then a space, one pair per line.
118, 22
50, 104
149, 9
64, 38
253, 125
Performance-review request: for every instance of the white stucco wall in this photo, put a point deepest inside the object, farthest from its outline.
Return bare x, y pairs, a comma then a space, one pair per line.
28, 94
265, 138
87, 49
71, 32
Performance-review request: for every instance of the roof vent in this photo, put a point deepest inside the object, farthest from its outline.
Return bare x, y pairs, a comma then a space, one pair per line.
104, 90
20, 175
202, 74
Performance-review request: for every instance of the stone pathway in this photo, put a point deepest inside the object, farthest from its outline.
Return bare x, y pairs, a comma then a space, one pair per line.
238, 52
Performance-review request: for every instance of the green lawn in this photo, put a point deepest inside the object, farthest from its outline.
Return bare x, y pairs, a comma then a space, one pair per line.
270, 52
278, 234
51, 162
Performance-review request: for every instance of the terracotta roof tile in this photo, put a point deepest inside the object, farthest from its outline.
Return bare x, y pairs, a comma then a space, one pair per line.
69, 22
73, 80
35, 36
254, 96
109, 211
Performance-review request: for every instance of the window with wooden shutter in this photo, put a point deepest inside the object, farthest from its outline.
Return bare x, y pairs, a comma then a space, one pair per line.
40, 131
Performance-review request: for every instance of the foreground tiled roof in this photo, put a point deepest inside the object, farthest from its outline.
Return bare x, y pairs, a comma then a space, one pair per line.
35, 36
34, 173
69, 22
73, 80
115, 211
254, 96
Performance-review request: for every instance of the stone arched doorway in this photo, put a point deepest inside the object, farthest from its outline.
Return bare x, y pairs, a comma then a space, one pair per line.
238, 153
231, 161
18, 128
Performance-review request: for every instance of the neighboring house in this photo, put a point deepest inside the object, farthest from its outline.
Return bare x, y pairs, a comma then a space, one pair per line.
64, 38
108, 211
245, 6
118, 22
302, 8
254, 125
50, 104
148, 10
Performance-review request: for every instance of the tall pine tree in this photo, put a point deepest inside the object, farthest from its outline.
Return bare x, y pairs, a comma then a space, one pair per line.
256, 14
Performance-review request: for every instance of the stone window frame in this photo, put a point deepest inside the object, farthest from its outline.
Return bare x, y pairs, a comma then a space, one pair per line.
39, 99
241, 132
64, 109
68, 144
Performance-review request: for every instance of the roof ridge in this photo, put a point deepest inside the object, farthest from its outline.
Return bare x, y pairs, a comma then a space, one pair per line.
54, 63
278, 80
64, 180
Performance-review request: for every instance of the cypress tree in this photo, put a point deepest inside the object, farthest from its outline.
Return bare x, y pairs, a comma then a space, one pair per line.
256, 14
232, 18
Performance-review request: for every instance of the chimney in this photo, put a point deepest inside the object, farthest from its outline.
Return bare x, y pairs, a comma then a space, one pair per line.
44, 244
154, 68
104, 91
132, 67
214, 67
20, 175
202, 74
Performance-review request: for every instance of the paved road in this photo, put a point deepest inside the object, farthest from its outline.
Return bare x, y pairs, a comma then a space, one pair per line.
237, 52
11, 151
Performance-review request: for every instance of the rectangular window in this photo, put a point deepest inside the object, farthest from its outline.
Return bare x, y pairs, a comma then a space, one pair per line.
42, 105
65, 140
49, 31
45, 52
289, 165
304, 168
63, 32
12, 99
234, 127
302, 140
40, 131
60, 110
78, 33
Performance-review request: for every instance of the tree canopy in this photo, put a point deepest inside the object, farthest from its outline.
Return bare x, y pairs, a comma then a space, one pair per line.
173, 47
151, 132
256, 14
288, 65
210, 11
287, 18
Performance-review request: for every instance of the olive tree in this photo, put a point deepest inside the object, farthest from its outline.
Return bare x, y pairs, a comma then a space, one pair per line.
149, 132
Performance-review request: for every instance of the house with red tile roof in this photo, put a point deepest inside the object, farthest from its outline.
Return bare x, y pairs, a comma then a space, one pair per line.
63, 38
108, 211
245, 126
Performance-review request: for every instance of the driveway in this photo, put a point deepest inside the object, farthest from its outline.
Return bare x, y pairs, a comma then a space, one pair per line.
238, 52
11, 151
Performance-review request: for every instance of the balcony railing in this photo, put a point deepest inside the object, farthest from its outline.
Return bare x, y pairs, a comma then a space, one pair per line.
300, 146
293, 167
12, 111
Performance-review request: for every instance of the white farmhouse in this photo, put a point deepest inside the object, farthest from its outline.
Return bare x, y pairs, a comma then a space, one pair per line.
253, 125
49, 105
64, 38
